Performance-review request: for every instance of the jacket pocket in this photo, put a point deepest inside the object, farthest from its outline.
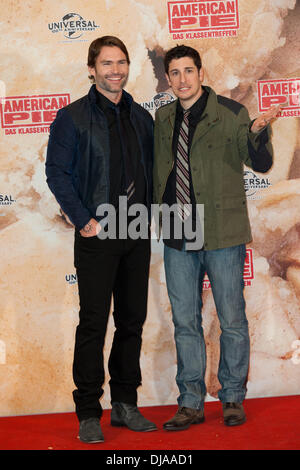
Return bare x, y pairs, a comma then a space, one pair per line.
218, 143
233, 221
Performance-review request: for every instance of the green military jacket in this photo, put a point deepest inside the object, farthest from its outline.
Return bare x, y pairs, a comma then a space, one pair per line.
221, 146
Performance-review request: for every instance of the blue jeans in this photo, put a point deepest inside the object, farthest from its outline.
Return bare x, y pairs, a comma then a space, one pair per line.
185, 271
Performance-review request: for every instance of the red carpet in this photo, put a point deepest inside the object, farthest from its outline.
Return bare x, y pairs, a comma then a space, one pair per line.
272, 424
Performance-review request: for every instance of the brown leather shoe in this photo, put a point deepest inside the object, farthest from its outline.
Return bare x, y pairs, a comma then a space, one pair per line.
183, 418
233, 413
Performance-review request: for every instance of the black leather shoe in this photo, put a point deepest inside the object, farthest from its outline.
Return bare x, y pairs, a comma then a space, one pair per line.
90, 431
233, 413
183, 418
124, 414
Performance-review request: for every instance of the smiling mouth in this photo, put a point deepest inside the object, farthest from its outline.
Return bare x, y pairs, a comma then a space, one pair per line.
184, 88
115, 79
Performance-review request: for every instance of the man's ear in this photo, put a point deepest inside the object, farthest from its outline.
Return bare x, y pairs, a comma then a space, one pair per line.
168, 80
91, 71
201, 74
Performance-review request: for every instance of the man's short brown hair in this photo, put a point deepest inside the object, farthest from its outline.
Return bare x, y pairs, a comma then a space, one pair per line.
97, 44
178, 52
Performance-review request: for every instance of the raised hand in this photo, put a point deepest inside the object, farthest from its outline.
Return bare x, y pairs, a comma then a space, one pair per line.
264, 119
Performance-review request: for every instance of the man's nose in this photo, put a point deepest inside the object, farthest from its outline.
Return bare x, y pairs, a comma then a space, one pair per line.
182, 78
115, 68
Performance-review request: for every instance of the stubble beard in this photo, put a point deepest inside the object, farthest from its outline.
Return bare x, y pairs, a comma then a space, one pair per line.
103, 84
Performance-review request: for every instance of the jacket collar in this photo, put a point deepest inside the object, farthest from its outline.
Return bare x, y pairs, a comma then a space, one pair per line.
92, 95
210, 112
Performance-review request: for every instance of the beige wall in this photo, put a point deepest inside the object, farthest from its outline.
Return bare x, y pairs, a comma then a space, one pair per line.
38, 299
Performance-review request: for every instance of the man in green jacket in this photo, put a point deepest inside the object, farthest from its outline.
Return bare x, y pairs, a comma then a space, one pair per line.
202, 142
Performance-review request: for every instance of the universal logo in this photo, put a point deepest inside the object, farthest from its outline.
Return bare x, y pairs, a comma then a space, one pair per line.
6, 200
253, 184
71, 279
72, 26
157, 101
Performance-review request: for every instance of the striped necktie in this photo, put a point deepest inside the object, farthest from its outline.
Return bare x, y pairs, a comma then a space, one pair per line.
182, 169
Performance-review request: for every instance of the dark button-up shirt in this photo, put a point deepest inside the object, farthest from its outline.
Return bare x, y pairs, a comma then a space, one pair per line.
169, 198
117, 170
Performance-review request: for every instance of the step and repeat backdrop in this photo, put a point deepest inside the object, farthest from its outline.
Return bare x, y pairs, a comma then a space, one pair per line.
250, 52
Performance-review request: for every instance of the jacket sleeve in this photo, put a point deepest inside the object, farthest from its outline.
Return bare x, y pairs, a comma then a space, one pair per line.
255, 148
60, 159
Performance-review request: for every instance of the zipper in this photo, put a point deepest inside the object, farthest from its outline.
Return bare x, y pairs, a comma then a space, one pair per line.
107, 160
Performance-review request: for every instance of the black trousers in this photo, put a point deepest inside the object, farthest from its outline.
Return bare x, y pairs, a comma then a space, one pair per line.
106, 269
